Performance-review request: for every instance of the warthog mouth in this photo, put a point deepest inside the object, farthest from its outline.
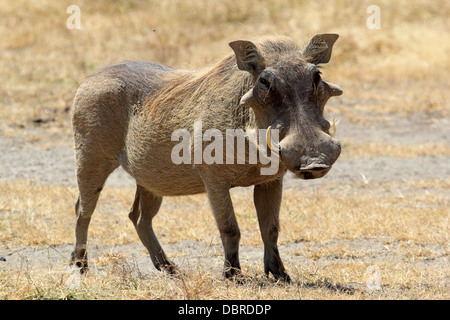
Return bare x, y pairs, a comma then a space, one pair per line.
313, 171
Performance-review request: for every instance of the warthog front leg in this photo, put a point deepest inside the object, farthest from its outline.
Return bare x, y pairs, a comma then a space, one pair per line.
222, 208
267, 198
145, 208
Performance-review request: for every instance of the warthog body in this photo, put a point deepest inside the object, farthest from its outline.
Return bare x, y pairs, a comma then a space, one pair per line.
125, 115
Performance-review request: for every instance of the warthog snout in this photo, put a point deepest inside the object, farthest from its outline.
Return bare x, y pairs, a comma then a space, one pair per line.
313, 168
311, 162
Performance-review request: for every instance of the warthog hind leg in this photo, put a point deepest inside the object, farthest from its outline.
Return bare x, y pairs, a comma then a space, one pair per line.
145, 208
91, 179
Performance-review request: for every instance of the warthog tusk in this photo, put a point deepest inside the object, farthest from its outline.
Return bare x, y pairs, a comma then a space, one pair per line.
333, 125
269, 137
269, 142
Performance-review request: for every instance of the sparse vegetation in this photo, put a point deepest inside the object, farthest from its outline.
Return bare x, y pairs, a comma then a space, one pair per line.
337, 230
339, 237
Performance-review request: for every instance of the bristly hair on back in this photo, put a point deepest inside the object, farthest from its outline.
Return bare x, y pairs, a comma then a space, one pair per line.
222, 82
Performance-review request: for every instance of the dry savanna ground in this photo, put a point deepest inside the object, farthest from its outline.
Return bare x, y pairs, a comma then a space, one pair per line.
375, 227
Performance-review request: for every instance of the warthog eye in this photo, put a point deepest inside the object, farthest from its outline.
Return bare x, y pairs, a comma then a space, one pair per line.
316, 80
264, 82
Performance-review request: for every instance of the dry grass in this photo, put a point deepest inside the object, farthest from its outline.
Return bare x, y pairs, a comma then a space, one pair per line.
116, 281
352, 150
400, 68
412, 227
44, 215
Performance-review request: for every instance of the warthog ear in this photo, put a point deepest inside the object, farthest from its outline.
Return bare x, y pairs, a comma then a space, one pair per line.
248, 57
318, 50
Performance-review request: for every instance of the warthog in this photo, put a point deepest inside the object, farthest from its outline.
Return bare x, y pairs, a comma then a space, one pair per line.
124, 115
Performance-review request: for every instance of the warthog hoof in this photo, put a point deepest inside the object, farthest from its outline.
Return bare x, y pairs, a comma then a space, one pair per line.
281, 276
171, 269
232, 273
80, 263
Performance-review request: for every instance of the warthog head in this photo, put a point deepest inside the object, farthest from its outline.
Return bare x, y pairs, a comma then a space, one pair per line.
289, 94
